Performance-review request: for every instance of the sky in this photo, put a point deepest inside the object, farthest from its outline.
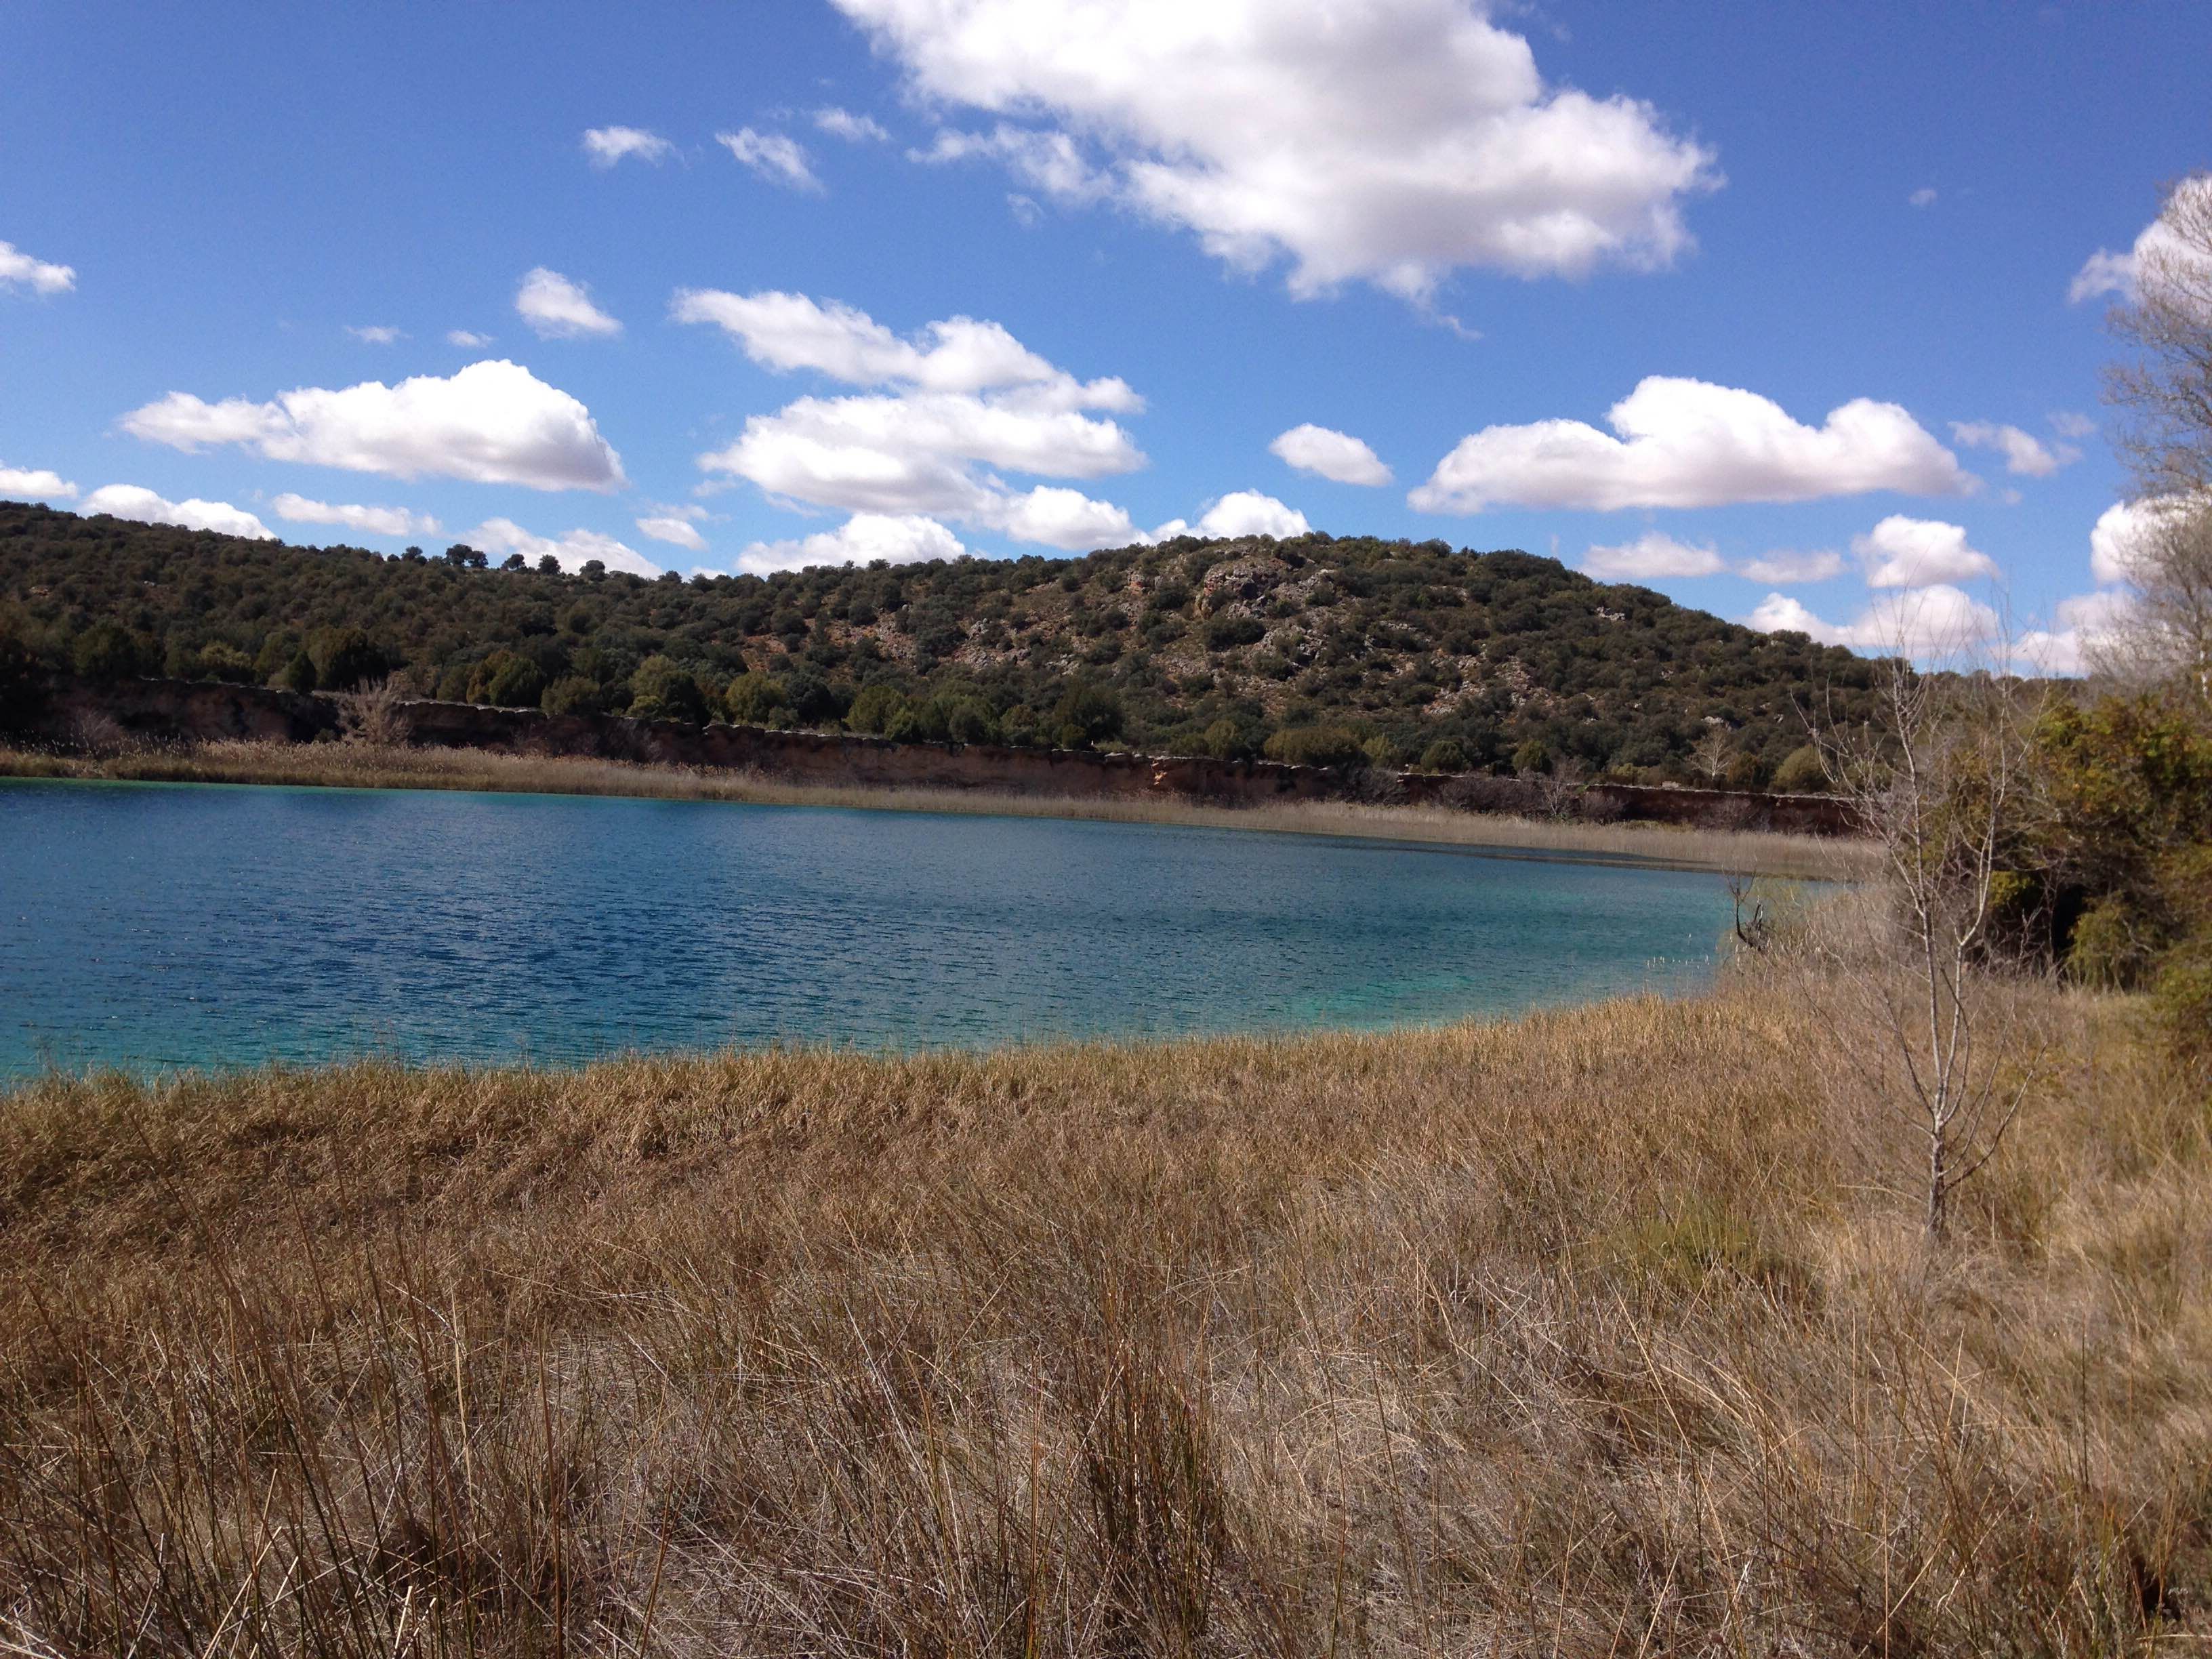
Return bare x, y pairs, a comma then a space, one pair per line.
1795, 314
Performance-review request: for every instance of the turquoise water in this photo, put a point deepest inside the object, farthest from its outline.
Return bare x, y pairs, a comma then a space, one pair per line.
150, 927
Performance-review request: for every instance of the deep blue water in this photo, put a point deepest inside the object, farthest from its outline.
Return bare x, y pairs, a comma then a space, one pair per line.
149, 926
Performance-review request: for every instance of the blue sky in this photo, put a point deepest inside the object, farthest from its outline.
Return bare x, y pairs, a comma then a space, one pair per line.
238, 244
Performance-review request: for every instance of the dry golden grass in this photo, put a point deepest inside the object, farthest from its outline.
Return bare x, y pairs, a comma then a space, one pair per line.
365, 766
1603, 1332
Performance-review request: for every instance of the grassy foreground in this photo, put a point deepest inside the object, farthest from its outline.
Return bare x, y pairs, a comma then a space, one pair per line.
1602, 1332
377, 766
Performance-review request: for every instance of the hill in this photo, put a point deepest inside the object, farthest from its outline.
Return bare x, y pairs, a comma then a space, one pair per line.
1321, 648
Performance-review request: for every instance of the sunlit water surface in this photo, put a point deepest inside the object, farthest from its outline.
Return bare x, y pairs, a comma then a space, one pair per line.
151, 927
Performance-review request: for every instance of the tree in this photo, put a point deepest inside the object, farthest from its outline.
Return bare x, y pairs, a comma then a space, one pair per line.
755, 700
2164, 635
108, 652
663, 691
1939, 778
1712, 754
2166, 393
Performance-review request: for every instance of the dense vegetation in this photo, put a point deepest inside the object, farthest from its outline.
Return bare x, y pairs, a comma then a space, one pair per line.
1319, 649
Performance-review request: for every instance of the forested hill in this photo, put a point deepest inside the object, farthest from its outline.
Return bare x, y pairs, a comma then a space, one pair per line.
1318, 648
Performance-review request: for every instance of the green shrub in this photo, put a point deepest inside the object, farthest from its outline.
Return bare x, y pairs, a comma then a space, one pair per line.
1318, 746
1224, 633
517, 683
298, 674
662, 690
572, 694
871, 711
968, 720
1801, 773
343, 658
221, 661
1444, 754
1091, 711
756, 700
1532, 758
108, 652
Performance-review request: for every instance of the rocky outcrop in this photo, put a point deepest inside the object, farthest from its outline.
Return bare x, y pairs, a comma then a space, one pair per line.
174, 710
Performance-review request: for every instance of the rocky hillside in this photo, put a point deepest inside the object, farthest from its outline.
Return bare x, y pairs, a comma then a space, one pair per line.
1330, 649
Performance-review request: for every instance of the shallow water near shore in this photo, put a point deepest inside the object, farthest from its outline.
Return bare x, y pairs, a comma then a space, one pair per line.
156, 927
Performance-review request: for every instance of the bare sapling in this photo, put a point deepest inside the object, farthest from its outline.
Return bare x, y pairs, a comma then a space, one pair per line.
1939, 780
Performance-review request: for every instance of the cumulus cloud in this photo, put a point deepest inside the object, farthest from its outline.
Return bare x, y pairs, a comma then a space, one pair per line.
2120, 274
899, 537
491, 423
1902, 552
376, 333
965, 401
467, 339
1334, 455
1248, 513
2024, 452
852, 128
499, 537
136, 502
777, 157
1652, 554
1785, 565
2114, 539
376, 520
1391, 141
1689, 443
1934, 622
19, 269
607, 146
674, 527
1051, 161
786, 331
35, 483
558, 309
2081, 625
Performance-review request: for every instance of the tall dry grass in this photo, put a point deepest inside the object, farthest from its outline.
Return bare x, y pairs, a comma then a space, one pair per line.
1604, 1331
365, 765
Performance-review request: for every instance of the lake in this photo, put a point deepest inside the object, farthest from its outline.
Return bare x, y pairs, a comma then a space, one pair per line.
150, 927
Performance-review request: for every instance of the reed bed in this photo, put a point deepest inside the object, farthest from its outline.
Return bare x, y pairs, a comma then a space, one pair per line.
371, 766
1601, 1332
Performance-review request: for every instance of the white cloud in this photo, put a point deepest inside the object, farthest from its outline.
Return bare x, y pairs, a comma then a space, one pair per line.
1652, 554
136, 502
1923, 197
376, 333
1924, 622
1902, 552
2082, 623
499, 537
558, 309
467, 339
491, 423
902, 538
1391, 141
786, 331
673, 528
776, 156
606, 146
19, 269
1248, 513
1689, 443
852, 128
966, 399
1051, 161
1786, 565
34, 484
376, 520
2156, 250
2068, 423
1334, 455
2118, 529
2024, 453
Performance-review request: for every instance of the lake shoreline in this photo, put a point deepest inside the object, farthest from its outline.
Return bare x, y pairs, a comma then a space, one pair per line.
365, 766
